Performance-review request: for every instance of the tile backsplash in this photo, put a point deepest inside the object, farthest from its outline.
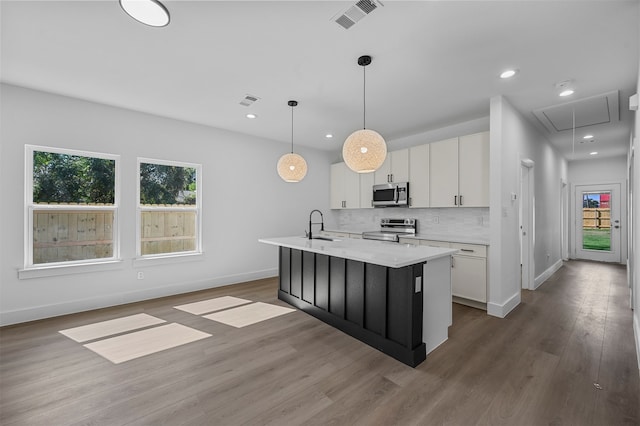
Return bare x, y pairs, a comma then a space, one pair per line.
459, 222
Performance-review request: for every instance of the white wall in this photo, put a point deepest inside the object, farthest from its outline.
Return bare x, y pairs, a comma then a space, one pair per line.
513, 139
635, 147
599, 171
243, 200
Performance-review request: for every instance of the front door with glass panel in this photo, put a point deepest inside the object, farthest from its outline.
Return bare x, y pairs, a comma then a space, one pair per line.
597, 222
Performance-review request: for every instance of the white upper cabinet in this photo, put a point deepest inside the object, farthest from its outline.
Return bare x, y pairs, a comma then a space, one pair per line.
419, 176
395, 168
459, 172
336, 199
443, 169
473, 173
366, 190
345, 187
383, 174
449, 173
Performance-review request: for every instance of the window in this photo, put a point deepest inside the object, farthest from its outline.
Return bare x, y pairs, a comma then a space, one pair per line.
168, 208
72, 207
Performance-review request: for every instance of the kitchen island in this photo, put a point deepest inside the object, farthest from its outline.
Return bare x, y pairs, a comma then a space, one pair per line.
394, 297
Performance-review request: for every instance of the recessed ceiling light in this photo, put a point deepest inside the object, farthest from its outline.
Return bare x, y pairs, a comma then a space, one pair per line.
566, 92
328, 136
148, 12
251, 116
588, 137
593, 153
508, 73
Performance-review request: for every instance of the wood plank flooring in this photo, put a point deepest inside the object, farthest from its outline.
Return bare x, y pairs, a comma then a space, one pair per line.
538, 366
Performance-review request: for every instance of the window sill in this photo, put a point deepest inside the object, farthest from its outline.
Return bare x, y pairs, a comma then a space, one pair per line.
57, 270
169, 258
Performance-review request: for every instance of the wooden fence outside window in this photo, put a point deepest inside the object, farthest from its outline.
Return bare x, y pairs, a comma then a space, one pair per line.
71, 235
596, 218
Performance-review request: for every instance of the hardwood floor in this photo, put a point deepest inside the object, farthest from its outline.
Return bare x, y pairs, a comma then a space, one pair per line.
565, 356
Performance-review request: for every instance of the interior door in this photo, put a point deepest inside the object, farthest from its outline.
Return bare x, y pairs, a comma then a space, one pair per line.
597, 222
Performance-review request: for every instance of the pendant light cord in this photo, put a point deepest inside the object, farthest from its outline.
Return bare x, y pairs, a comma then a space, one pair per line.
292, 129
364, 97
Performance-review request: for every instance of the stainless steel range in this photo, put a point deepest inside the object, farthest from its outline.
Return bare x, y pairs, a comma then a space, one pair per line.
392, 229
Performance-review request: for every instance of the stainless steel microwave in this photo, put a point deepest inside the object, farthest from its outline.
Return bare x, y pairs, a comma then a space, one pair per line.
391, 194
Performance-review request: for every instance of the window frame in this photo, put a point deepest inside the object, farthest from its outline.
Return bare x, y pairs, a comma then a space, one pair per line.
30, 206
197, 208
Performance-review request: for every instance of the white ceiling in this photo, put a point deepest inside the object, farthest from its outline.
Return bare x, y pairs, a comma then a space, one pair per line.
435, 63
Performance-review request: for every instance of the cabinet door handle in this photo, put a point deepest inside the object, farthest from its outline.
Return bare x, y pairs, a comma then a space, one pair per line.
467, 250
455, 200
452, 262
461, 200
410, 201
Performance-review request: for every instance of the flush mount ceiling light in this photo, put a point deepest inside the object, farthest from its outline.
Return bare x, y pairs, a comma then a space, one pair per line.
587, 137
148, 12
593, 153
508, 73
364, 150
292, 167
251, 116
328, 136
565, 88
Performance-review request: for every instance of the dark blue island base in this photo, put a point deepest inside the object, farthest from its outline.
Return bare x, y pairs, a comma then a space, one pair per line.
379, 305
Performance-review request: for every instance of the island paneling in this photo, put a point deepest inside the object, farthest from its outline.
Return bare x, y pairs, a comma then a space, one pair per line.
378, 305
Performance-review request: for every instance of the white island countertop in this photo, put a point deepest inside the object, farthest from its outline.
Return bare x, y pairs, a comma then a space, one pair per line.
393, 255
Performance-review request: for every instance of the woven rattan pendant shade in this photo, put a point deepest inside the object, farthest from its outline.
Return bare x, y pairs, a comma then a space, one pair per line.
292, 167
364, 150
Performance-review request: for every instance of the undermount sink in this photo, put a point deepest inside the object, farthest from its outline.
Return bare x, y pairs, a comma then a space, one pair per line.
324, 238
320, 237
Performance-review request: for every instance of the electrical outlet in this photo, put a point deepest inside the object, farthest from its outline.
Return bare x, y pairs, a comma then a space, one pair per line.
141, 275
436, 219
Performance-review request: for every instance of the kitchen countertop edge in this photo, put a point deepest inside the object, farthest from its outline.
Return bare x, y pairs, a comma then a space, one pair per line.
388, 254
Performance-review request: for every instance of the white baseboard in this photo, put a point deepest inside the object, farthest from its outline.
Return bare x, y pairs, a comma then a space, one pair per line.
82, 305
501, 310
537, 282
636, 333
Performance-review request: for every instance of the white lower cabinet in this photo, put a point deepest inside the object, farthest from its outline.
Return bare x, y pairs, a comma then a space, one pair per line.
469, 278
468, 270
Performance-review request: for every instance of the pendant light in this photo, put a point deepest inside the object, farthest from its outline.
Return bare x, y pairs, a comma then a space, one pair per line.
292, 167
364, 150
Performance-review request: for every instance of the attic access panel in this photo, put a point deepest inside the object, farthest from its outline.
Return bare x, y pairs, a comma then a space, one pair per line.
599, 109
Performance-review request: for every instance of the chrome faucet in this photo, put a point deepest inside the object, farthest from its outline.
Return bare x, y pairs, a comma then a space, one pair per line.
321, 223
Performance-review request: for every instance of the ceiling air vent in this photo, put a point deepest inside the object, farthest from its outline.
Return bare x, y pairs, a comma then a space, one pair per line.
248, 100
356, 12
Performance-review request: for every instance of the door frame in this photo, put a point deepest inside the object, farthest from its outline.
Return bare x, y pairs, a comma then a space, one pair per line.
616, 236
527, 223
